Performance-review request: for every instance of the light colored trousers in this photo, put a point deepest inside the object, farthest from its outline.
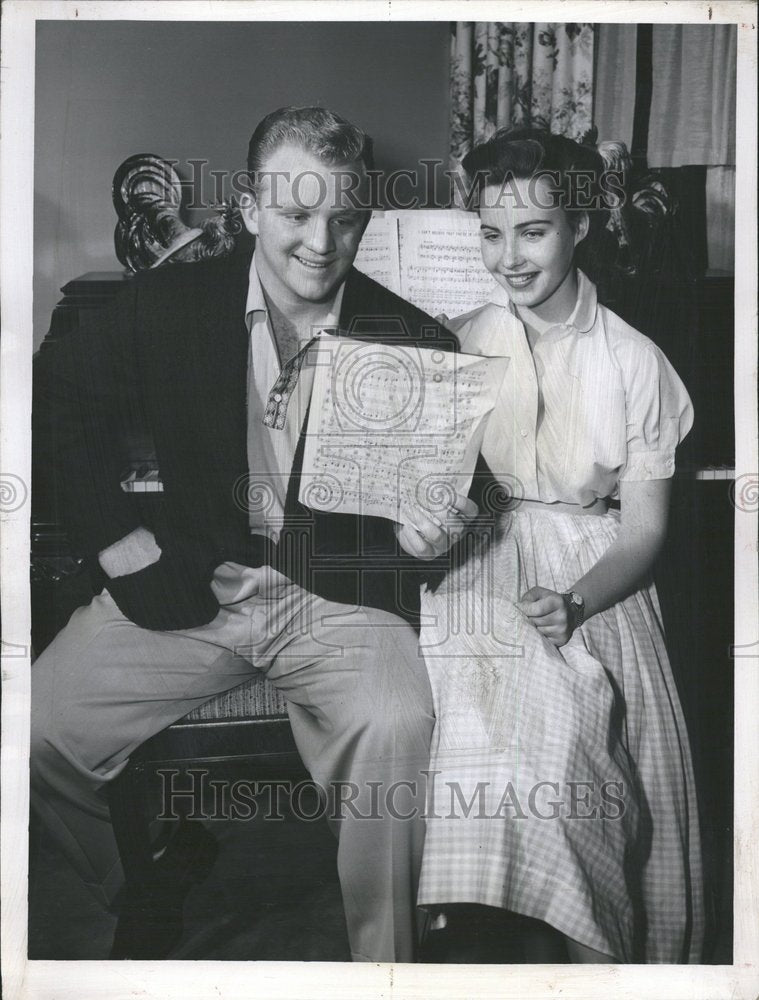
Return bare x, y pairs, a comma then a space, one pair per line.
358, 699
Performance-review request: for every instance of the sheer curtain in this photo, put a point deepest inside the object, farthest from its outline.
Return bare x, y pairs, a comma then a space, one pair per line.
693, 98
508, 72
614, 89
692, 117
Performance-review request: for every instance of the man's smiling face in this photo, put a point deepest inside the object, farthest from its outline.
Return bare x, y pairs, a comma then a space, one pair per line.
306, 226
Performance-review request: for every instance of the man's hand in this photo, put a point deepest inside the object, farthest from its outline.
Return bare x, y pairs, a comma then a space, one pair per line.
547, 611
130, 554
429, 536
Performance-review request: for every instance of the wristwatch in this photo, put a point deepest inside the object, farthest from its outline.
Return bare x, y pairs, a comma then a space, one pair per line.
575, 608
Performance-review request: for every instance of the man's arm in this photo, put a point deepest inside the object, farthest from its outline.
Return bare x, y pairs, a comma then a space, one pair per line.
88, 390
84, 387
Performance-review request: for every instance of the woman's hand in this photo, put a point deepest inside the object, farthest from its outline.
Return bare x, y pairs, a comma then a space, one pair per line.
429, 536
547, 611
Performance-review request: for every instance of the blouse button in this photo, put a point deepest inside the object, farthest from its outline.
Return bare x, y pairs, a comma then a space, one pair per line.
523, 432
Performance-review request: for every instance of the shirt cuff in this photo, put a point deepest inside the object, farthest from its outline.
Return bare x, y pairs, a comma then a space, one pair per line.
130, 554
643, 465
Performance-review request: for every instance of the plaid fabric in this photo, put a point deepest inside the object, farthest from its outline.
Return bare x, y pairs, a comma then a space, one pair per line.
562, 785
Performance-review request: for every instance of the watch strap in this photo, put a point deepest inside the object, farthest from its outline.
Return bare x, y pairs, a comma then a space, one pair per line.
575, 608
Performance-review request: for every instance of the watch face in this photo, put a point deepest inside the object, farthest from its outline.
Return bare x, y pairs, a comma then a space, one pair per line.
576, 599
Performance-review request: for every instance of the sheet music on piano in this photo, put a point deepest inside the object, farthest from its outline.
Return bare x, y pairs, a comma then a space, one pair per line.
431, 257
441, 263
378, 252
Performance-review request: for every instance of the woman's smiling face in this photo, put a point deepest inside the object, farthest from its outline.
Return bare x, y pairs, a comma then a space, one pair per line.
529, 247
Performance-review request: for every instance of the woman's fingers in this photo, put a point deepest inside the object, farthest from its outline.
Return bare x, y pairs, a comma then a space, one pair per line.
543, 608
423, 540
547, 611
429, 527
536, 594
411, 541
464, 508
557, 617
426, 536
551, 630
554, 634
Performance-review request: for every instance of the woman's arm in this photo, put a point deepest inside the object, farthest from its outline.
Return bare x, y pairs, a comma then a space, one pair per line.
620, 571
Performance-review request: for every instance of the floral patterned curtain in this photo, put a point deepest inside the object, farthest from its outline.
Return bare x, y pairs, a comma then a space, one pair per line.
509, 73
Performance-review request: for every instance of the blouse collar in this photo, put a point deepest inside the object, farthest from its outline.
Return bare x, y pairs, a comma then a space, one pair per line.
581, 320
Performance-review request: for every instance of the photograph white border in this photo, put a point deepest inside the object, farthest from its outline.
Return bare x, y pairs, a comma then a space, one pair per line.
233, 980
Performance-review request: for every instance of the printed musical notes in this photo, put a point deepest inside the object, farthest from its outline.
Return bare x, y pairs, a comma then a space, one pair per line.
429, 256
441, 264
378, 253
394, 428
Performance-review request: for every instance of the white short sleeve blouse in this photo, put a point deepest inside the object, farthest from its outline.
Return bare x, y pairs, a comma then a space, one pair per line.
594, 404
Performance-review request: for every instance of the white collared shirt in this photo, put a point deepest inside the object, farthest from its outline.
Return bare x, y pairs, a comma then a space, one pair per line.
271, 451
593, 404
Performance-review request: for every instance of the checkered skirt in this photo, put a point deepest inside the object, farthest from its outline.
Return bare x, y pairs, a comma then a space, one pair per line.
561, 779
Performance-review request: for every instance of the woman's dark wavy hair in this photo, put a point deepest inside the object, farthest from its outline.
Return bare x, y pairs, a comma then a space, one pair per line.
523, 152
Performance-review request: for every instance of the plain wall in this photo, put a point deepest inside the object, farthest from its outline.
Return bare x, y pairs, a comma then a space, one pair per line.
185, 91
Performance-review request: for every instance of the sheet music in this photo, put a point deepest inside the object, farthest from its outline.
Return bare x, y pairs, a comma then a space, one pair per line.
392, 429
441, 264
378, 253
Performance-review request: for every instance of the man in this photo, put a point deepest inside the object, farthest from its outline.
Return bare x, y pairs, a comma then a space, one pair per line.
323, 603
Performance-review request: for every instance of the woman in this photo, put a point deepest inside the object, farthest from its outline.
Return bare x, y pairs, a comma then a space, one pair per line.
562, 800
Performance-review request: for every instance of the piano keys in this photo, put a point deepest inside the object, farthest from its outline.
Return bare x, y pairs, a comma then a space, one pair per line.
145, 477
142, 478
